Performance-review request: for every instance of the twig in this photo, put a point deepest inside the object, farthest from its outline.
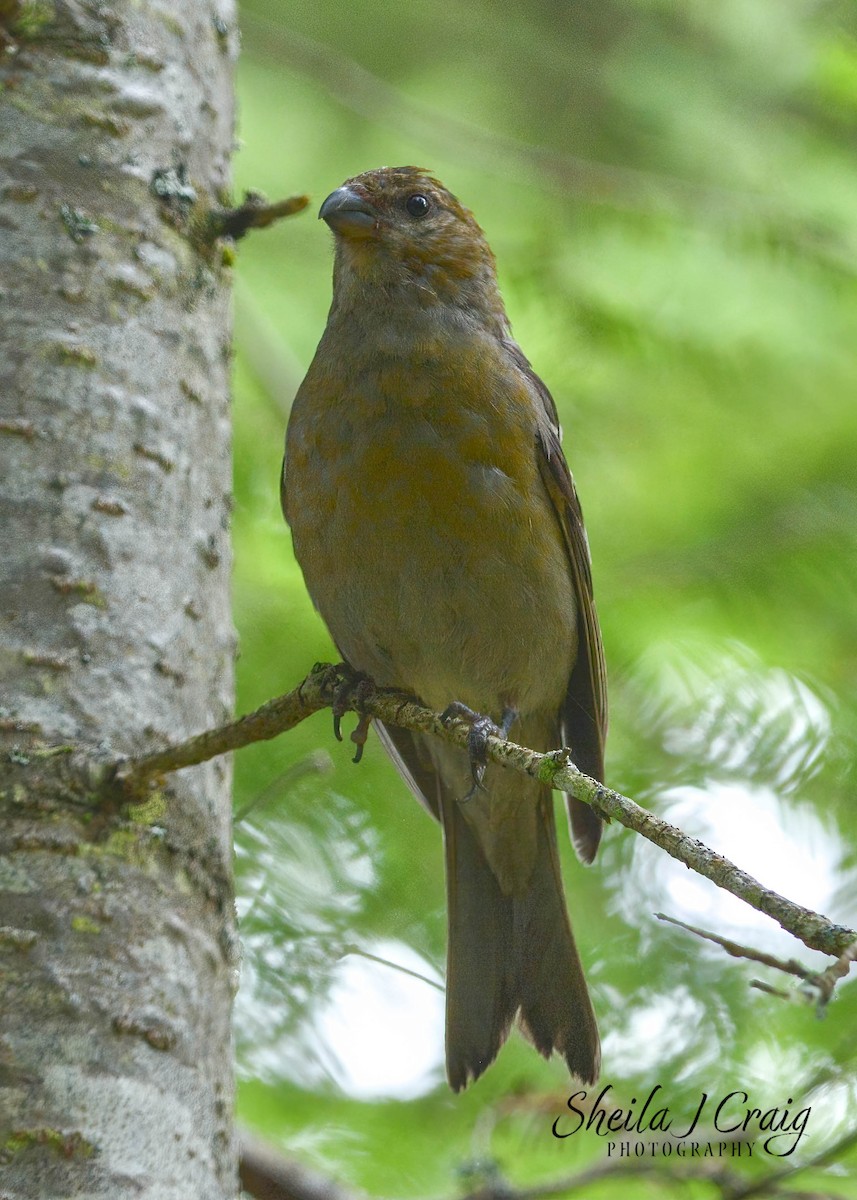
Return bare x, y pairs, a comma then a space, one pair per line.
822, 982
827, 980
324, 685
254, 213
780, 993
359, 952
738, 951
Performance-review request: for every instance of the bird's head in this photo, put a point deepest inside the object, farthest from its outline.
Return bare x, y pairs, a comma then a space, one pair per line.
398, 228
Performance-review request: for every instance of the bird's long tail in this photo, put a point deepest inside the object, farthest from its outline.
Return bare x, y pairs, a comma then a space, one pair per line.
511, 955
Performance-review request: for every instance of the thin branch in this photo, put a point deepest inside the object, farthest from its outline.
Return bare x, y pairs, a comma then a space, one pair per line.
823, 982
738, 951
268, 1175
827, 980
358, 952
780, 993
324, 687
819, 985
276, 717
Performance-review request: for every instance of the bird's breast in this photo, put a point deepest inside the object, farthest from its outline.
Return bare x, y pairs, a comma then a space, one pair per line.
425, 535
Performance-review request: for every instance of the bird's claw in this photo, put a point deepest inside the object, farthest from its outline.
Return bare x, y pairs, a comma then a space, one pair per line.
352, 692
359, 735
477, 751
481, 728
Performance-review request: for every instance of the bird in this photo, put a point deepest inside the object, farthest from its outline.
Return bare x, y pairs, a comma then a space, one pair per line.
441, 539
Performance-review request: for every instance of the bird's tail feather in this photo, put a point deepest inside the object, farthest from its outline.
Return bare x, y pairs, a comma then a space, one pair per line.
511, 955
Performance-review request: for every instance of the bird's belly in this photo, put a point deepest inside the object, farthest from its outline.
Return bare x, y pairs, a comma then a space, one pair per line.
438, 572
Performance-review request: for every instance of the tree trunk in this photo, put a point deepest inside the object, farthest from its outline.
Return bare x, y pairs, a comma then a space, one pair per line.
117, 938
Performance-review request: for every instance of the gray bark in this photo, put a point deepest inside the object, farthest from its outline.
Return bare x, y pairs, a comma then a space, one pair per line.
117, 936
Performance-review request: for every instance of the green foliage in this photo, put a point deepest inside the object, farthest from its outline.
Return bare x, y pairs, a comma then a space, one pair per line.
670, 191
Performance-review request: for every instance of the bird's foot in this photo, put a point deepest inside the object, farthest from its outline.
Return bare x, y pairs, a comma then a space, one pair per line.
353, 691
481, 728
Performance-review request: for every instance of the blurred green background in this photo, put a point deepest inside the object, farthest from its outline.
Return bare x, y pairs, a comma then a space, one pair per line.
670, 190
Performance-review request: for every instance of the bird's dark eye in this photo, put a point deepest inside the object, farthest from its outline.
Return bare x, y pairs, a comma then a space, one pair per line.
417, 205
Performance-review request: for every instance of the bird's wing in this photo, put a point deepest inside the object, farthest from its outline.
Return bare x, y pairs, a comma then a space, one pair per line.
584, 712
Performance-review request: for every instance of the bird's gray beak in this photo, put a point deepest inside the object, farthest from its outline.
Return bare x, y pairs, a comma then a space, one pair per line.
347, 212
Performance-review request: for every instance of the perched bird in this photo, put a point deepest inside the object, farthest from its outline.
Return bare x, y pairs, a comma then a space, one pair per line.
441, 539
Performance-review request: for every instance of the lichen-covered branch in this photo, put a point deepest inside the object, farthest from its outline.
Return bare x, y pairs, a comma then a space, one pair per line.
324, 688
